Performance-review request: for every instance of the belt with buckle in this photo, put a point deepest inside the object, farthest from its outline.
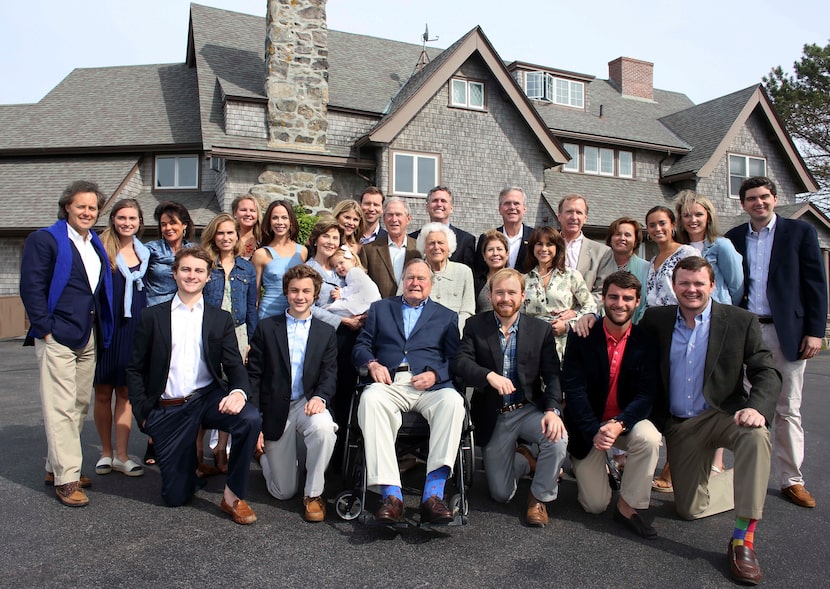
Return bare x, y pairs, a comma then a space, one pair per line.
401, 368
765, 319
175, 402
512, 407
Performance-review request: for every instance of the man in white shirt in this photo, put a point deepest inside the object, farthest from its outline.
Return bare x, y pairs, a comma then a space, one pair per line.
66, 287
595, 261
371, 203
181, 349
512, 208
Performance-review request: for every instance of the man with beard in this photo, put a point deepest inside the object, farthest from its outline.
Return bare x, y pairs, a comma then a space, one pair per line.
610, 378
510, 359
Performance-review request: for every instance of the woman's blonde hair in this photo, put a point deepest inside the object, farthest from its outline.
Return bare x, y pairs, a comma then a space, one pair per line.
209, 235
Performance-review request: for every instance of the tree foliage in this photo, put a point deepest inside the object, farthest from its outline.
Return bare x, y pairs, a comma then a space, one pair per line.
802, 99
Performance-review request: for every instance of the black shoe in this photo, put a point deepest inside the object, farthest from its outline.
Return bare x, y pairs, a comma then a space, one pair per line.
150, 454
636, 524
614, 474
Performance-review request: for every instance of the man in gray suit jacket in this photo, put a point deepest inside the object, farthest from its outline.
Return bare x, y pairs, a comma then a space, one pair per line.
706, 351
595, 261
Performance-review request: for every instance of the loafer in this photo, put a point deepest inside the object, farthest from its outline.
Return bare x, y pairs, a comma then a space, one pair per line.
240, 511
743, 564
537, 513
390, 512
315, 509
84, 483
799, 495
71, 495
104, 465
203, 469
435, 511
129, 468
636, 524
531, 460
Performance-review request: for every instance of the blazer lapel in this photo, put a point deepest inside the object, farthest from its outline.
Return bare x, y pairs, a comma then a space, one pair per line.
718, 328
312, 351
281, 333
782, 235
426, 313
166, 330
383, 252
397, 316
493, 340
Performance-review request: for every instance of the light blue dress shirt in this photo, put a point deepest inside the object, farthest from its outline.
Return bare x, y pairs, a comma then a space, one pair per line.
297, 343
687, 362
758, 251
410, 318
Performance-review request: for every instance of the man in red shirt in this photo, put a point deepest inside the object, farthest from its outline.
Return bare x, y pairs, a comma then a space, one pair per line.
610, 379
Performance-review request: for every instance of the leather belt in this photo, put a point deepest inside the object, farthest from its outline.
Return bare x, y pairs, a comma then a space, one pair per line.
175, 402
765, 319
512, 407
401, 368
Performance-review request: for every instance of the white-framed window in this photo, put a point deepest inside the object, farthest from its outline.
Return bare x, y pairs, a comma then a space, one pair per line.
535, 85
742, 167
590, 160
606, 162
625, 164
413, 174
544, 86
176, 171
467, 94
573, 151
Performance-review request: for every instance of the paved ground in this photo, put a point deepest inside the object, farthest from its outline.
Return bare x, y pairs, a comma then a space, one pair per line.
127, 538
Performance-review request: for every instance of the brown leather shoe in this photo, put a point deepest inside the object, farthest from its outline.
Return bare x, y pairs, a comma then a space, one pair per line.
537, 513
203, 469
390, 512
743, 564
71, 495
799, 495
240, 511
435, 511
315, 509
531, 461
85, 482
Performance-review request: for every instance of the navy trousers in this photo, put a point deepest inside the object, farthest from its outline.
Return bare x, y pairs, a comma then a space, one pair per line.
174, 431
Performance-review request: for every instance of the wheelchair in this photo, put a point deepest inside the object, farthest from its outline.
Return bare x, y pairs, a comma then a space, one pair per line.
412, 440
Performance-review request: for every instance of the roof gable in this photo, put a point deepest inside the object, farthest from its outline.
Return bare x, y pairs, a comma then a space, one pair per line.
421, 87
711, 126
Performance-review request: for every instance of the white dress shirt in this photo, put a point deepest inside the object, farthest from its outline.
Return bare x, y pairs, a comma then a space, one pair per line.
188, 369
89, 256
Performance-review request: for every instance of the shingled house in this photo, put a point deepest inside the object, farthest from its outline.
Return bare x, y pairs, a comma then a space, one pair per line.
318, 115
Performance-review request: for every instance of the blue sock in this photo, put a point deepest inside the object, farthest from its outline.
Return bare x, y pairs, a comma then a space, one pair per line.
393, 490
435, 483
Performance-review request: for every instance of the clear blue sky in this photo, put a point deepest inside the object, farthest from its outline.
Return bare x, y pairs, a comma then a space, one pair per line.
703, 48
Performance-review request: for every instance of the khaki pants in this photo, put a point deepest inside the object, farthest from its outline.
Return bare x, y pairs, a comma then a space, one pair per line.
642, 444
691, 445
66, 377
379, 415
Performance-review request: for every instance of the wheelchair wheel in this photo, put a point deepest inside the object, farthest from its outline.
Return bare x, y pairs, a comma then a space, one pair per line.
457, 506
348, 505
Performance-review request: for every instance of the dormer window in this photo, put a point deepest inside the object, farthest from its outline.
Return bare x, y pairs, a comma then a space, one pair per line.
467, 94
544, 86
176, 171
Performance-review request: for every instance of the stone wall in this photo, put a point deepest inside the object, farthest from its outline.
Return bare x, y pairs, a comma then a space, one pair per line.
480, 152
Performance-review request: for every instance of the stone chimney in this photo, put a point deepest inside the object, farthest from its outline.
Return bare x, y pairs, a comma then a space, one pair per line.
632, 77
296, 74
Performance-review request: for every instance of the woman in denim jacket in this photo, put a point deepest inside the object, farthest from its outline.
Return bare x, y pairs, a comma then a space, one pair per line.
698, 226
232, 287
175, 227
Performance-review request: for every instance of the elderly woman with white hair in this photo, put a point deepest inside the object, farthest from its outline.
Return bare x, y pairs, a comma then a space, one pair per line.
452, 283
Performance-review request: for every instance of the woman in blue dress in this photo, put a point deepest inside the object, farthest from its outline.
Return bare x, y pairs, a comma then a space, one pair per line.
281, 251
128, 263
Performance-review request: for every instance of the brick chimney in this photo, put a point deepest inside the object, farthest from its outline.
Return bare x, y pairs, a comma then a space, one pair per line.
296, 74
632, 77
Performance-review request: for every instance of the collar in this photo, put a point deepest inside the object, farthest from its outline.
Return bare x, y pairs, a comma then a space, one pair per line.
513, 328
178, 304
575, 239
75, 236
608, 336
418, 306
289, 318
770, 225
703, 316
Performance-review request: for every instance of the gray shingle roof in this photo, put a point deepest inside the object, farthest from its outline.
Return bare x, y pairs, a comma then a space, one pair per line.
147, 105
608, 198
31, 188
704, 126
622, 117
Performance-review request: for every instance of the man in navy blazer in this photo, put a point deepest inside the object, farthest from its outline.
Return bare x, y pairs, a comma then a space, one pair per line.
293, 375
611, 380
512, 208
510, 358
439, 208
66, 287
181, 350
406, 347
786, 286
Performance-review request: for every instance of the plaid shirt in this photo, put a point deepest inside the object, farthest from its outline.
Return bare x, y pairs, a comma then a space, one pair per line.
508, 350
